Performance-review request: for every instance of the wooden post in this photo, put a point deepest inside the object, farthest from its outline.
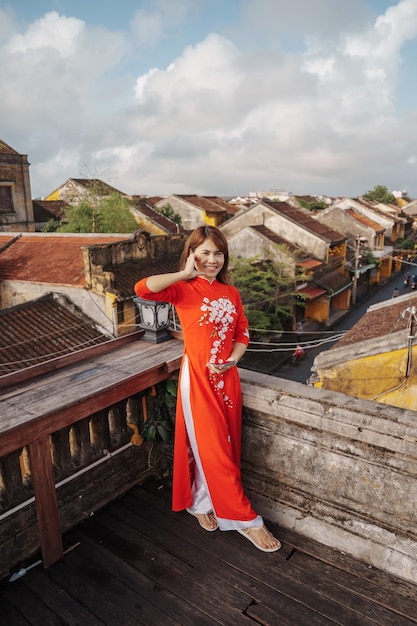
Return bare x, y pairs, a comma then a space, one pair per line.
46, 501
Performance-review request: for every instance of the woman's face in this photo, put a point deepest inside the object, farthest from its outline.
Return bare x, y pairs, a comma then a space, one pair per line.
209, 260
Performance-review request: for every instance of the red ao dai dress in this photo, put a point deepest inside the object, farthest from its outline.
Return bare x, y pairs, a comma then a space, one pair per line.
207, 447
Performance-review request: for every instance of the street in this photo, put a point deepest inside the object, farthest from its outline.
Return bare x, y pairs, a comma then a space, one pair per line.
274, 358
301, 371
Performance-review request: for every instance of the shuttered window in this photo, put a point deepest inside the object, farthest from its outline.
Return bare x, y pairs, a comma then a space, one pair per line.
6, 199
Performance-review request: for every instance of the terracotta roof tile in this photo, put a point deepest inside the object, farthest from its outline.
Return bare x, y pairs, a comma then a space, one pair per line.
275, 238
48, 258
381, 320
45, 209
306, 221
206, 204
43, 329
6, 149
362, 219
146, 207
97, 185
127, 274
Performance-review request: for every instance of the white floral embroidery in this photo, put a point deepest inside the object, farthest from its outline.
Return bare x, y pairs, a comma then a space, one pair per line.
221, 314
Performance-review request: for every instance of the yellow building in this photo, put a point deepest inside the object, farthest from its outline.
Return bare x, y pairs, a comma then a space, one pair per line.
376, 359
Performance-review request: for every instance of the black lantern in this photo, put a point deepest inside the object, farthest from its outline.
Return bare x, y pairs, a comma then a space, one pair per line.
154, 319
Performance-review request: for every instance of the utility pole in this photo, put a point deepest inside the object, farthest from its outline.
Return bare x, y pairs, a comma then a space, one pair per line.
358, 242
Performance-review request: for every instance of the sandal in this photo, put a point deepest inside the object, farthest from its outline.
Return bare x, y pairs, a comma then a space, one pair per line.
249, 534
205, 519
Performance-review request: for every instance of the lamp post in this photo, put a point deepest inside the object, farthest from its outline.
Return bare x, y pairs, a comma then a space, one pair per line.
358, 243
154, 319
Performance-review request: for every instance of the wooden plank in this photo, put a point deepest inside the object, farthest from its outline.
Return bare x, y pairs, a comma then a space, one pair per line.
89, 595
58, 600
30, 606
206, 593
46, 501
236, 562
7, 380
11, 616
316, 591
62, 404
343, 561
401, 610
150, 603
266, 616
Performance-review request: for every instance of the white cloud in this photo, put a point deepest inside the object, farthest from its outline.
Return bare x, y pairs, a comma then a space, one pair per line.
149, 26
223, 116
51, 31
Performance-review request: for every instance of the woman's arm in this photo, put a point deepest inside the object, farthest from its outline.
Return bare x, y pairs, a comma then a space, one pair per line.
162, 281
238, 351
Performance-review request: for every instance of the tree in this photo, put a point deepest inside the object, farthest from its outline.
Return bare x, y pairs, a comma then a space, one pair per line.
108, 214
380, 193
313, 206
169, 212
267, 289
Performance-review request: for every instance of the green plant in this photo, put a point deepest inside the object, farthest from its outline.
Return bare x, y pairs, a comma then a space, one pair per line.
161, 401
169, 212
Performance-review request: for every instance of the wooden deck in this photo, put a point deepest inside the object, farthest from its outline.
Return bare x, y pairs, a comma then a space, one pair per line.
137, 562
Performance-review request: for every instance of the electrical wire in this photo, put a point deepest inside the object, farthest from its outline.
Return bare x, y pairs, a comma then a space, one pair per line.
289, 346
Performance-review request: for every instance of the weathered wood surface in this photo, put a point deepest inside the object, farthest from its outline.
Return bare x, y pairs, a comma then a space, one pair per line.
20, 376
137, 562
39, 414
39, 407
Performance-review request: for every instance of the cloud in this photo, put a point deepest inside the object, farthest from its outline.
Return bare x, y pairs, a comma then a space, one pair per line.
149, 26
225, 115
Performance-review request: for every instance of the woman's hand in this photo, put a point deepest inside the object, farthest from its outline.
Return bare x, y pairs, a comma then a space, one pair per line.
190, 270
220, 368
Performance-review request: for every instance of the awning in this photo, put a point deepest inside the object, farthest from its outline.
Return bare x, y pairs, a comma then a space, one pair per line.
310, 263
311, 292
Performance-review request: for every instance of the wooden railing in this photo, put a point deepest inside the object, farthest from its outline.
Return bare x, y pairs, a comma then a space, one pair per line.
75, 455
338, 469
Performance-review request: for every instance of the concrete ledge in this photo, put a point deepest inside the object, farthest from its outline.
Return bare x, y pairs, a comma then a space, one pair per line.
338, 469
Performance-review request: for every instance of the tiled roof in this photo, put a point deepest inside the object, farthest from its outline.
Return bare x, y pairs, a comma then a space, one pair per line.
44, 210
365, 221
97, 185
206, 204
5, 149
146, 207
305, 220
373, 206
127, 274
230, 208
382, 319
41, 330
48, 258
275, 238
330, 279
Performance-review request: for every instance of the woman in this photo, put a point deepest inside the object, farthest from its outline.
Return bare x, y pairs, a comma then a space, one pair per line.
206, 475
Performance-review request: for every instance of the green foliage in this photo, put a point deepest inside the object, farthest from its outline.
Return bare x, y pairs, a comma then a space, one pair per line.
100, 215
267, 291
169, 212
51, 226
161, 407
408, 244
380, 193
316, 205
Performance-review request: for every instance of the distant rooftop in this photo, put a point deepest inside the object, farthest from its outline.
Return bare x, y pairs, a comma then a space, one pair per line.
43, 329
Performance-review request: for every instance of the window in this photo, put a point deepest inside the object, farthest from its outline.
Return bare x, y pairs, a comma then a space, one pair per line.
6, 199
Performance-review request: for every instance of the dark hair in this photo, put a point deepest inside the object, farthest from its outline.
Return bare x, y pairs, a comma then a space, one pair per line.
197, 237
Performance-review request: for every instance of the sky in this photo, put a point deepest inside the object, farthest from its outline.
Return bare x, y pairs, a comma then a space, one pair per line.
219, 97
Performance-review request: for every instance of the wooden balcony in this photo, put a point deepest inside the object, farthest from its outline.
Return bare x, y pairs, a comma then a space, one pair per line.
322, 466
67, 442
136, 562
